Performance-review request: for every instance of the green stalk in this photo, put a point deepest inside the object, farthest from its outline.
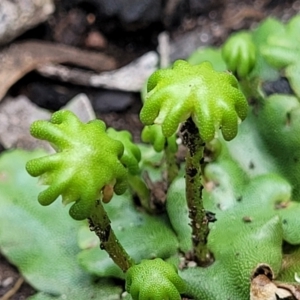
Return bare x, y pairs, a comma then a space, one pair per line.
172, 167
251, 89
142, 191
100, 223
194, 187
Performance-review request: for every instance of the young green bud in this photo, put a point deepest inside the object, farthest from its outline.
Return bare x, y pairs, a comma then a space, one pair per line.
239, 53
154, 280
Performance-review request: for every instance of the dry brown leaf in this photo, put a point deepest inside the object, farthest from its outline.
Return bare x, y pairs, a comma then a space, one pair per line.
264, 288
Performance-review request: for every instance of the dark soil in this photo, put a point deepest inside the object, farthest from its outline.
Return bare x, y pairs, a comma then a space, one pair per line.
9, 276
79, 26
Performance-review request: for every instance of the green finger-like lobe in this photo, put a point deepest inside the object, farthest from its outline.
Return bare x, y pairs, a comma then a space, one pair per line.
96, 125
229, 125
131, 165
63, 117
248, 63
150, 112
202, 119
49, 195
44, 130
170, 125
241, 107
153, 134
87, 161
196, 91
121, 184
159, 78
166, 111
82, 207
59, 182
38, 166
228, 80
176, 115
152, 81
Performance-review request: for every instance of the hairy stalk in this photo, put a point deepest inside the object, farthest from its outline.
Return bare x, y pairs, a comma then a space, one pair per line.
194, 187
100, 223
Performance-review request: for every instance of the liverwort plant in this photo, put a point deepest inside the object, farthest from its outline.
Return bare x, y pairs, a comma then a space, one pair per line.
204, 100
92, 163
87, 168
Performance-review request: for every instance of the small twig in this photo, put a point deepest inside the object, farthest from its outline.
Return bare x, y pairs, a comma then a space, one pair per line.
130, 78
13, 290
23, 57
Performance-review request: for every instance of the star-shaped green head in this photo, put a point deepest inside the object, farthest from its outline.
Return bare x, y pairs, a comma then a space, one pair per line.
211, 98
87, 161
